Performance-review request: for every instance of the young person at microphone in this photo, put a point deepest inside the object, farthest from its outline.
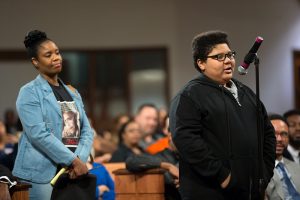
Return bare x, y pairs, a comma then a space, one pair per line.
213, 122
41, 105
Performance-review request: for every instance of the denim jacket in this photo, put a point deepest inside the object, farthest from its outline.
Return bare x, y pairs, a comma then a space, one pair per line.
40, 146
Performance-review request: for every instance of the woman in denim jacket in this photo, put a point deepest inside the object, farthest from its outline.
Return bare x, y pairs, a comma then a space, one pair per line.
41, 103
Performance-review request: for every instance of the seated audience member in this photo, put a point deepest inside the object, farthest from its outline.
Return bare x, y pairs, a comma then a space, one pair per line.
103, 146
169, 153
11, 139
139, 163
129, 137
293, 150
105, 189
12, 122
285, 183
162, 114
8, 148
162, 143
147, 118
118, 121
6, 182
166, 159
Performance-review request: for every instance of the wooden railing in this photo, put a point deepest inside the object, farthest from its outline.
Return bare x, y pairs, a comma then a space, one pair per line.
148, 185
20, 191
110, 167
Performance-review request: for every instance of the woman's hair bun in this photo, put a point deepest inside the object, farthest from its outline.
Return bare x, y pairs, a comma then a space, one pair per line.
34, 37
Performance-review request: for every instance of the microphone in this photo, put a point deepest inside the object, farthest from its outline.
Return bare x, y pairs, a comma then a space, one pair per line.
249, 58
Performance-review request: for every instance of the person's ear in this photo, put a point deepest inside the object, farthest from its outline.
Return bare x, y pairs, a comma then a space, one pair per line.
201, 64
35, 63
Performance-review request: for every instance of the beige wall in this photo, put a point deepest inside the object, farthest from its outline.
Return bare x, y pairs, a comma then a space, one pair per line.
170, 23
278, 22
12, 76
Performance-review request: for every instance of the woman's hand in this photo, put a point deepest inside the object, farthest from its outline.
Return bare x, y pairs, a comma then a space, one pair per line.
79, 168
172, 169
102, 189
176, 183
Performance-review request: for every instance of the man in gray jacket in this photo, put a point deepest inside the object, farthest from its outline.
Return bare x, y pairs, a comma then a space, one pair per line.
285, 184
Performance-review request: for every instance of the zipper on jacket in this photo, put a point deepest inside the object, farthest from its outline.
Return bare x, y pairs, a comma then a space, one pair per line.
227, 123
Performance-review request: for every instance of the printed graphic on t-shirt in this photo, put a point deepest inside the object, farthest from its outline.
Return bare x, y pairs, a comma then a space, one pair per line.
71, 125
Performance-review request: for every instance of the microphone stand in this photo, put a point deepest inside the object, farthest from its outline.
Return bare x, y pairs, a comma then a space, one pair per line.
259, 132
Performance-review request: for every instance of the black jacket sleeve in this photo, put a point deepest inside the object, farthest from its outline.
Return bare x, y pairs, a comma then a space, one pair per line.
186, 129
269, 147
138, 163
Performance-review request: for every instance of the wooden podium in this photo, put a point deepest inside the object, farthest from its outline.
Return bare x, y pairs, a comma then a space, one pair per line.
20, 191
147, 185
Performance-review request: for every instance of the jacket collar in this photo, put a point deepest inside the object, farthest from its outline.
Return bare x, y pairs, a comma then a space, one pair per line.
49, 95
47, 88
207, 81
43, 83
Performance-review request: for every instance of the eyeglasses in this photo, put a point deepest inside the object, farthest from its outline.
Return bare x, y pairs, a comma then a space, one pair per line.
222, 56
282, 134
